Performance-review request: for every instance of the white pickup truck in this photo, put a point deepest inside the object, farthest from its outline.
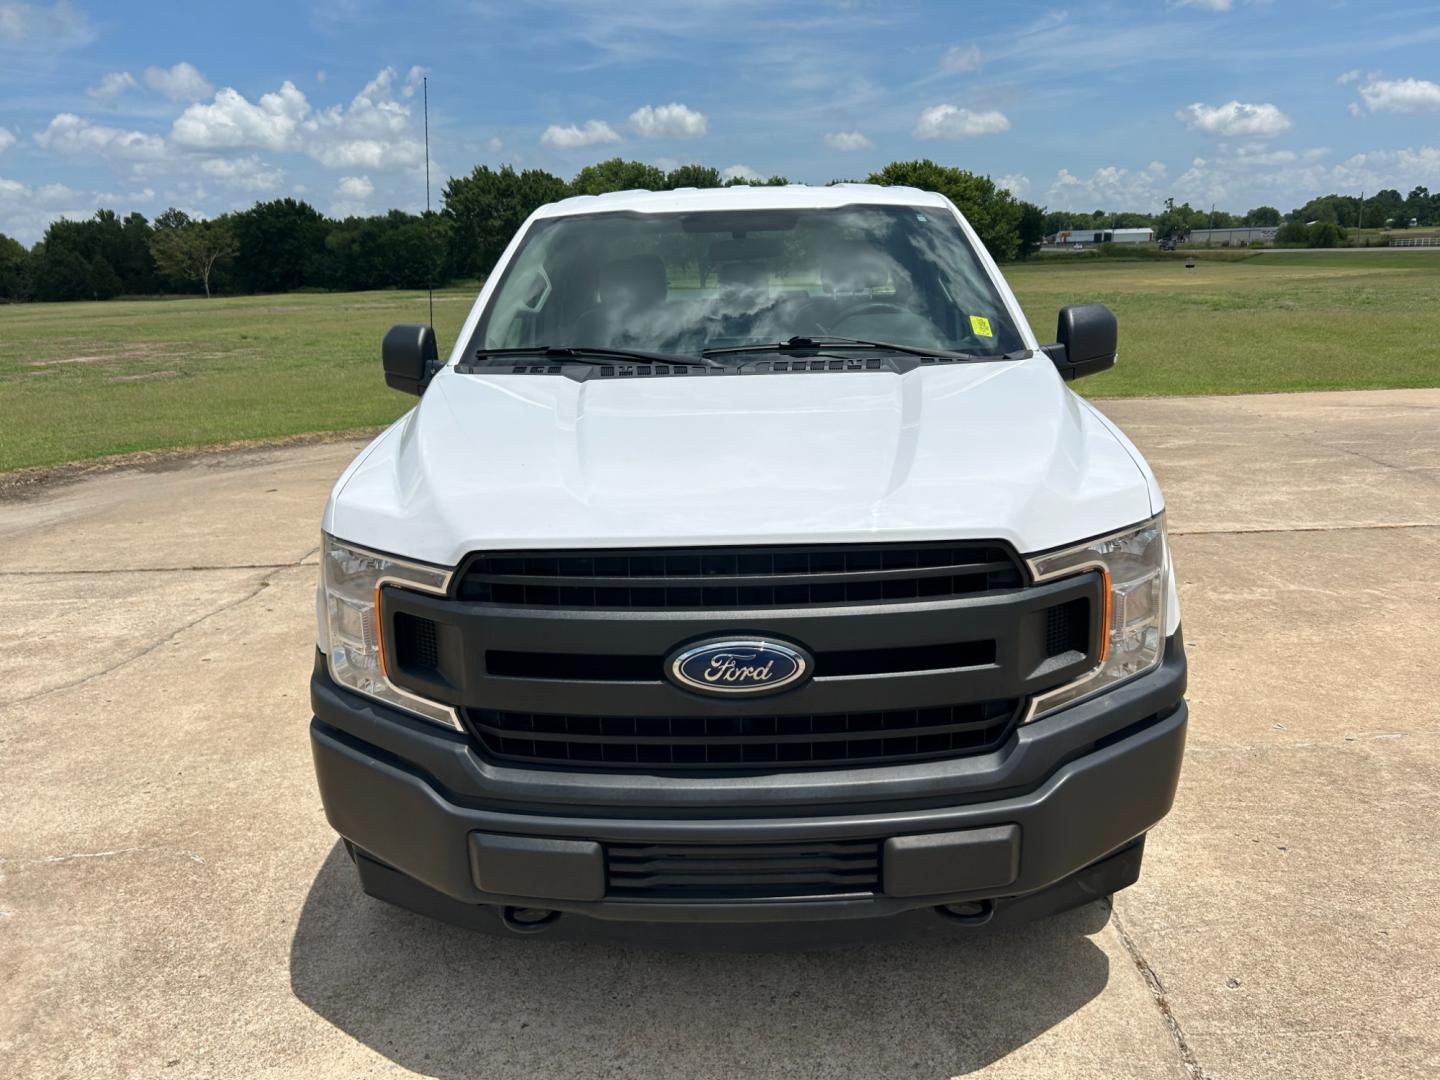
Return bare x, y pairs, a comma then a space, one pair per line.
747, 565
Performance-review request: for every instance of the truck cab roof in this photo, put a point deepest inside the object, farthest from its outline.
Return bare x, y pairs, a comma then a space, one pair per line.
742, 197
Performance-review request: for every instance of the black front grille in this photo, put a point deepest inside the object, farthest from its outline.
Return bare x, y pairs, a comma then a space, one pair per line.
721, 742
743, 871
748, 577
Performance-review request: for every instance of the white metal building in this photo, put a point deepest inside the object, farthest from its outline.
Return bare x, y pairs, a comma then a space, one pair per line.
1076, 237
1249, 234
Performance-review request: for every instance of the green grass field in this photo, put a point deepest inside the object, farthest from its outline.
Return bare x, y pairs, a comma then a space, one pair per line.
80, 381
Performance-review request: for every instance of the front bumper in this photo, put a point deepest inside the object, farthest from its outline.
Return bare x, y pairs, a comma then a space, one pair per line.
1055, 813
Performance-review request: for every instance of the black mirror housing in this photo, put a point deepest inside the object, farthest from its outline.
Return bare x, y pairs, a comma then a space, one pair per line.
1086, 336
410, 357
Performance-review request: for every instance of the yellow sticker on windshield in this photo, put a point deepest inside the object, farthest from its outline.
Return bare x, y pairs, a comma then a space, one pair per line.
980, 325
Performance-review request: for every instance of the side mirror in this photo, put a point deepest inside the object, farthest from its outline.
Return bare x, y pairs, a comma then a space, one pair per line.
1086, 338
410, 357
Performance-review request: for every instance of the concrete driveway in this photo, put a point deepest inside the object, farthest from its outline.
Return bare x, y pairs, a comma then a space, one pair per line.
172, 901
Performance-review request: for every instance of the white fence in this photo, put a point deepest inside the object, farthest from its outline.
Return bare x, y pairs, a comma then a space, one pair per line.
1415, 241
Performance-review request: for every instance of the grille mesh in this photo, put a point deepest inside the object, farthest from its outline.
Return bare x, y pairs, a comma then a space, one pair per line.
1067, 628
707, 578
415, 642
729, 742
743, 871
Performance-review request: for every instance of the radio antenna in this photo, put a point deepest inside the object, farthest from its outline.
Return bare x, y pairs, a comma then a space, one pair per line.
429, 225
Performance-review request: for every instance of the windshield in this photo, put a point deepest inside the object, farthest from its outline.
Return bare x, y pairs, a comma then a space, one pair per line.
680, 283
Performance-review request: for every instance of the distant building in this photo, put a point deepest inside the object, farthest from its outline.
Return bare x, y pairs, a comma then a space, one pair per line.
1079, 237
1249, 234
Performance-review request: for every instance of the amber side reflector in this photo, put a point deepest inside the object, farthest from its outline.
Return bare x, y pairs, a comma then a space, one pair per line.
1104, 620
380, 635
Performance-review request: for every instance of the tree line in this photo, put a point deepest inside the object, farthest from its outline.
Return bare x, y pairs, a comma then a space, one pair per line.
1321, 222
286, 244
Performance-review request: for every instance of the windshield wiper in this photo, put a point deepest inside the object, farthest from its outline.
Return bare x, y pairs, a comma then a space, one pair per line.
826, 341
595, 354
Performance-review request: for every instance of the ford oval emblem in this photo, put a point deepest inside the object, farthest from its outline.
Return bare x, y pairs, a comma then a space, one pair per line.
739, 667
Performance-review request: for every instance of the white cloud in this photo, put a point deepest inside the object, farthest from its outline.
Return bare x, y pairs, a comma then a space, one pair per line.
62, 22
26, 211
1111, 187
568, 136
352, 194
673, 121
179, 83
232, 120
739, 172
1350, 76
1016, 183
355, 187
847, 140
1402, 169
1401, 95
242, 174
1235, 118
7, 139
124, 199
373, 132
70, 135
959, 59
113, 85
951, 122
1208, 5
494, 144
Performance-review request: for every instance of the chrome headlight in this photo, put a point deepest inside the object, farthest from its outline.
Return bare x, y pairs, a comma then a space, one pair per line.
1135, 569
351, 633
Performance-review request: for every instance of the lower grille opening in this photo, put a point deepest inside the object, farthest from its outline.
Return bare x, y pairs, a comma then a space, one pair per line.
1067, 628
416, 645
743, 871
731, 742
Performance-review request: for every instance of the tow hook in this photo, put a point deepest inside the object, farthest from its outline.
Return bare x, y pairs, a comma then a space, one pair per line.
528, 920
975, 912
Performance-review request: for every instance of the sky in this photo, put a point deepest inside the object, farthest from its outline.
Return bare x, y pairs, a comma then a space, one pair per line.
209, 107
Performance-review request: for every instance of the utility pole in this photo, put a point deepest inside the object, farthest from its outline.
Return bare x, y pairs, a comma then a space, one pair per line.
1362, 211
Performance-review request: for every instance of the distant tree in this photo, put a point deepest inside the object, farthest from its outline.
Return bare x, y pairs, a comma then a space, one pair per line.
696, 176
483, 210
1176, 222
1423, 207
1262, 216
993, 211
103, 283
60, 273
755, 181
14, 270
189, 254
1031, 229
1292, 234
171, 219
617, 174
1324, 234
280, 245
1383, 207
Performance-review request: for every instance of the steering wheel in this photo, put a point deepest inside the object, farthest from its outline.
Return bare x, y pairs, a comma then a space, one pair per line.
872, 307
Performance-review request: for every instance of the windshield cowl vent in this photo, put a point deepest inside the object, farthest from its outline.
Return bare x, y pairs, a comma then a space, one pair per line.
896, 365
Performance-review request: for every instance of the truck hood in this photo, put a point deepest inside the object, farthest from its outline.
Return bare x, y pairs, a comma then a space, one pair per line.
986, 450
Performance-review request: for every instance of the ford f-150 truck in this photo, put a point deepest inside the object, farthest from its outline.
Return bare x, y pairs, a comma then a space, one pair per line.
748, 561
